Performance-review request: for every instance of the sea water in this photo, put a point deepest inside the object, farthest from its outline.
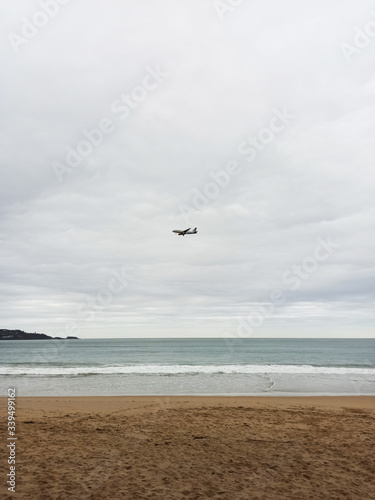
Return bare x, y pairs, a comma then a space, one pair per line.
273, 367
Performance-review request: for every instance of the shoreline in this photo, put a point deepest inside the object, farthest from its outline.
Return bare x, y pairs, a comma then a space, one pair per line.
111, 402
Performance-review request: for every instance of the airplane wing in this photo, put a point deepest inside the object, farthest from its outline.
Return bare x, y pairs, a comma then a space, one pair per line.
186, 230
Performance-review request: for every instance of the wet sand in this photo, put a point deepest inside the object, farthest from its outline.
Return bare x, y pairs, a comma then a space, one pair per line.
181, 447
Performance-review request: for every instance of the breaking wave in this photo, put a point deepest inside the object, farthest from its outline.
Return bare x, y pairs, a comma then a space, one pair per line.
175, 370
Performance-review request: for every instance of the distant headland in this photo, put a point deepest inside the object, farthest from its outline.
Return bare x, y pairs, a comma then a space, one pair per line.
20, 335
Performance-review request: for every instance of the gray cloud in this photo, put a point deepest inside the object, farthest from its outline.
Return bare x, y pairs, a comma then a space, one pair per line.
62, 242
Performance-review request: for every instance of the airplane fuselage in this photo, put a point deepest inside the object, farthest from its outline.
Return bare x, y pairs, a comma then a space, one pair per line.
182, 232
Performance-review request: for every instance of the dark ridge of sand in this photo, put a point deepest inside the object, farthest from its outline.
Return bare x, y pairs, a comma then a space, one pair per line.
185, 447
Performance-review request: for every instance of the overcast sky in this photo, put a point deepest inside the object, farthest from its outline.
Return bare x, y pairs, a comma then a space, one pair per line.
253, 123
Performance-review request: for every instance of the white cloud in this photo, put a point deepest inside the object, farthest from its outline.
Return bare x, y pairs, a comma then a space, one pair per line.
117, 208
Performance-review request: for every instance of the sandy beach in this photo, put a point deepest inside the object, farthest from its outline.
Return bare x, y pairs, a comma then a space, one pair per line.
228, 448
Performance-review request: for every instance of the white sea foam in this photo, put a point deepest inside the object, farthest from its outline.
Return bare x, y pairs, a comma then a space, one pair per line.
84, 370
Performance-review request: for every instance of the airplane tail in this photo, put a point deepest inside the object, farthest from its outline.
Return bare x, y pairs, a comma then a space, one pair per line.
195, 230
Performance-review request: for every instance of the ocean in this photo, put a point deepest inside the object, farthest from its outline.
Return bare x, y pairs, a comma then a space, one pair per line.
256, 367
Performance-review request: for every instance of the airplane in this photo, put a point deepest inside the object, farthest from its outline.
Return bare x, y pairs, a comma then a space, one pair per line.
181, 232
